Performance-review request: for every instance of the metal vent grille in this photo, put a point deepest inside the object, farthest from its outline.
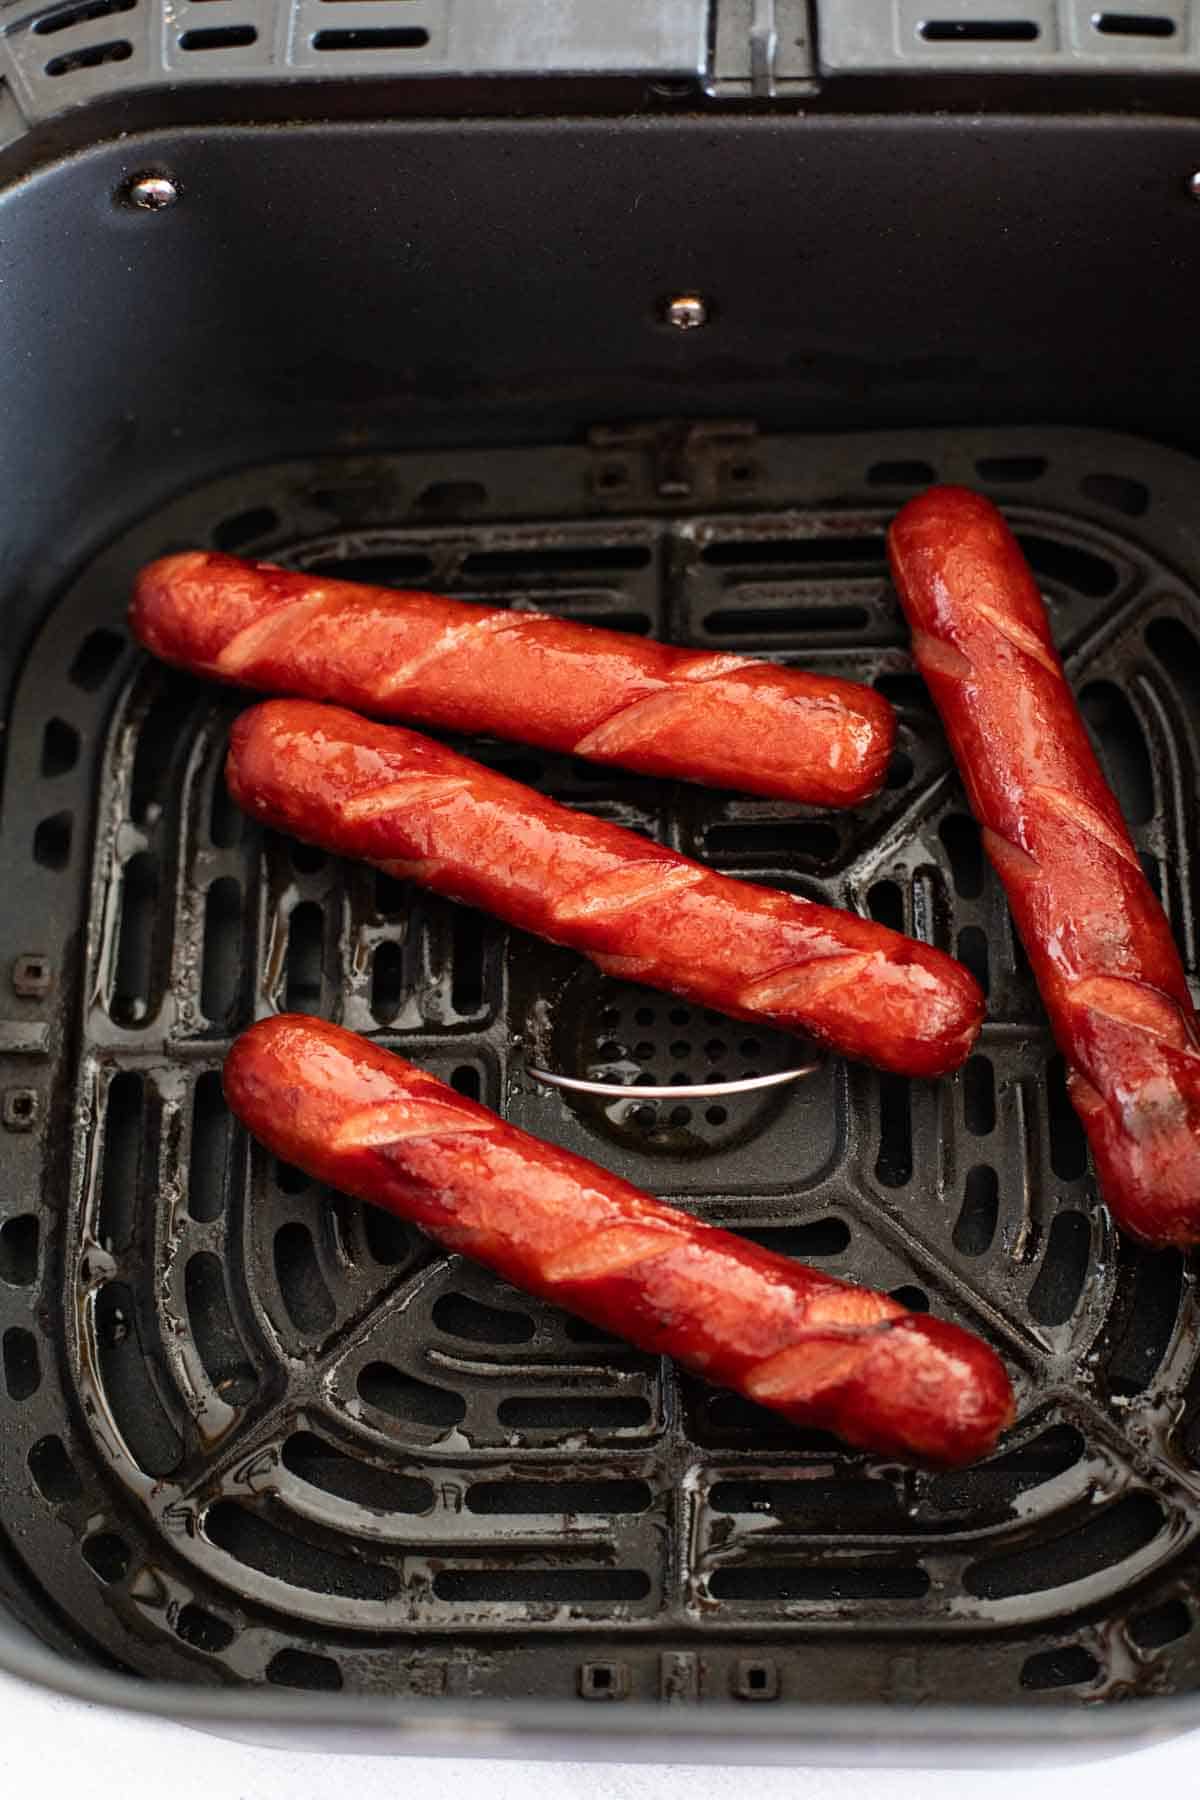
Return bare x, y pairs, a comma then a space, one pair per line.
65, 54
252, 1431
1080, 37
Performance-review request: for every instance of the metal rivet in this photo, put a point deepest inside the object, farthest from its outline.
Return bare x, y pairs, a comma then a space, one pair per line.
1194, 185
686, 312
19, 1109
153, 193
31, 976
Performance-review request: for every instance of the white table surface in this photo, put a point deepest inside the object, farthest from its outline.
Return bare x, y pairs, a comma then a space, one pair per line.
52, 1747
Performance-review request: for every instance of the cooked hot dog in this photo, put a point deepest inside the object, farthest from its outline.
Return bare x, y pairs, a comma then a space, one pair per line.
1097, 939
725, 720
638, 910
823, 1353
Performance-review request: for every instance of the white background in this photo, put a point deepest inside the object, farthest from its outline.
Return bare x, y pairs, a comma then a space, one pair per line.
51, 1747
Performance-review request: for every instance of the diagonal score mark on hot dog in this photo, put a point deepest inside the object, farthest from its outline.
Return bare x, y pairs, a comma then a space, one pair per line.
1121, 999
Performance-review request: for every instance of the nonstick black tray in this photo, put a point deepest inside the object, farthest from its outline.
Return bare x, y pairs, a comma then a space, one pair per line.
251, 1431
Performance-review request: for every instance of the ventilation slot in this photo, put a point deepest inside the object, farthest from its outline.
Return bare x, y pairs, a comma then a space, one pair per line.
301, 1669
209, 1150
234, 534
251, 1540
1120, 492
95, 660
1175, 647
973, 954
222, 950
1004, 469
762, 621
885, 903
989, 1489
905, 692
152, 1440
894, 1163
107, 1556
1123, 749
305, 957
809, 839
1134, 25
538, 559
901, 474
70, 16
387, 981
1087, 573
868, 551
225, 818
219, 37
217, 1341
558, 1499
1068, 1145
964, 846
574, 1412
133, 984
203, 1630
766, 1582
976, 1224
308, 1301
465, 1080
395, 569
389, 1239
411, 1401
315, 1461
466, 969
60, 748
1101, 1542
451, 499
19, 1250
22, 1369
306, 859
561, 1586
52, 841
368, 37
164, 737
1160, 1625
461, 1316
979, 31
979, 1096
1055, 1294
1069, 1666
391, 896
815, 1238
1150, 1314
120, 50
853, 1506
53, 1472
121, 1178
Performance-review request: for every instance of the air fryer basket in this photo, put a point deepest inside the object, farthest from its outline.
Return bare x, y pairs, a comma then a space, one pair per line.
251, 1433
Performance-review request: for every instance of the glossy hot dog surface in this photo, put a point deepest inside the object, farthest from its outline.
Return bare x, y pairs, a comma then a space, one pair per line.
817, 1350
600, 694
1097, 938
638, 910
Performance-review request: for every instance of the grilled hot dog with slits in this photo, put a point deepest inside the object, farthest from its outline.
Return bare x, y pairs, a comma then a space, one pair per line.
726, 720
817, 1350
1097, 939
638, 910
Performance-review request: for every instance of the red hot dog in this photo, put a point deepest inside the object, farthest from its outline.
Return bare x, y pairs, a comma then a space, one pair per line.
639, 911
725, 720
817, 1350
1097, 939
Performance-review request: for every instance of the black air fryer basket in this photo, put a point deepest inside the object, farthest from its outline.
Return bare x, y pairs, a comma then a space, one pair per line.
654, 324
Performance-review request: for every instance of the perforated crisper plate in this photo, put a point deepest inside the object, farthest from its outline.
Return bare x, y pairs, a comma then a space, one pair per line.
249, 1430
